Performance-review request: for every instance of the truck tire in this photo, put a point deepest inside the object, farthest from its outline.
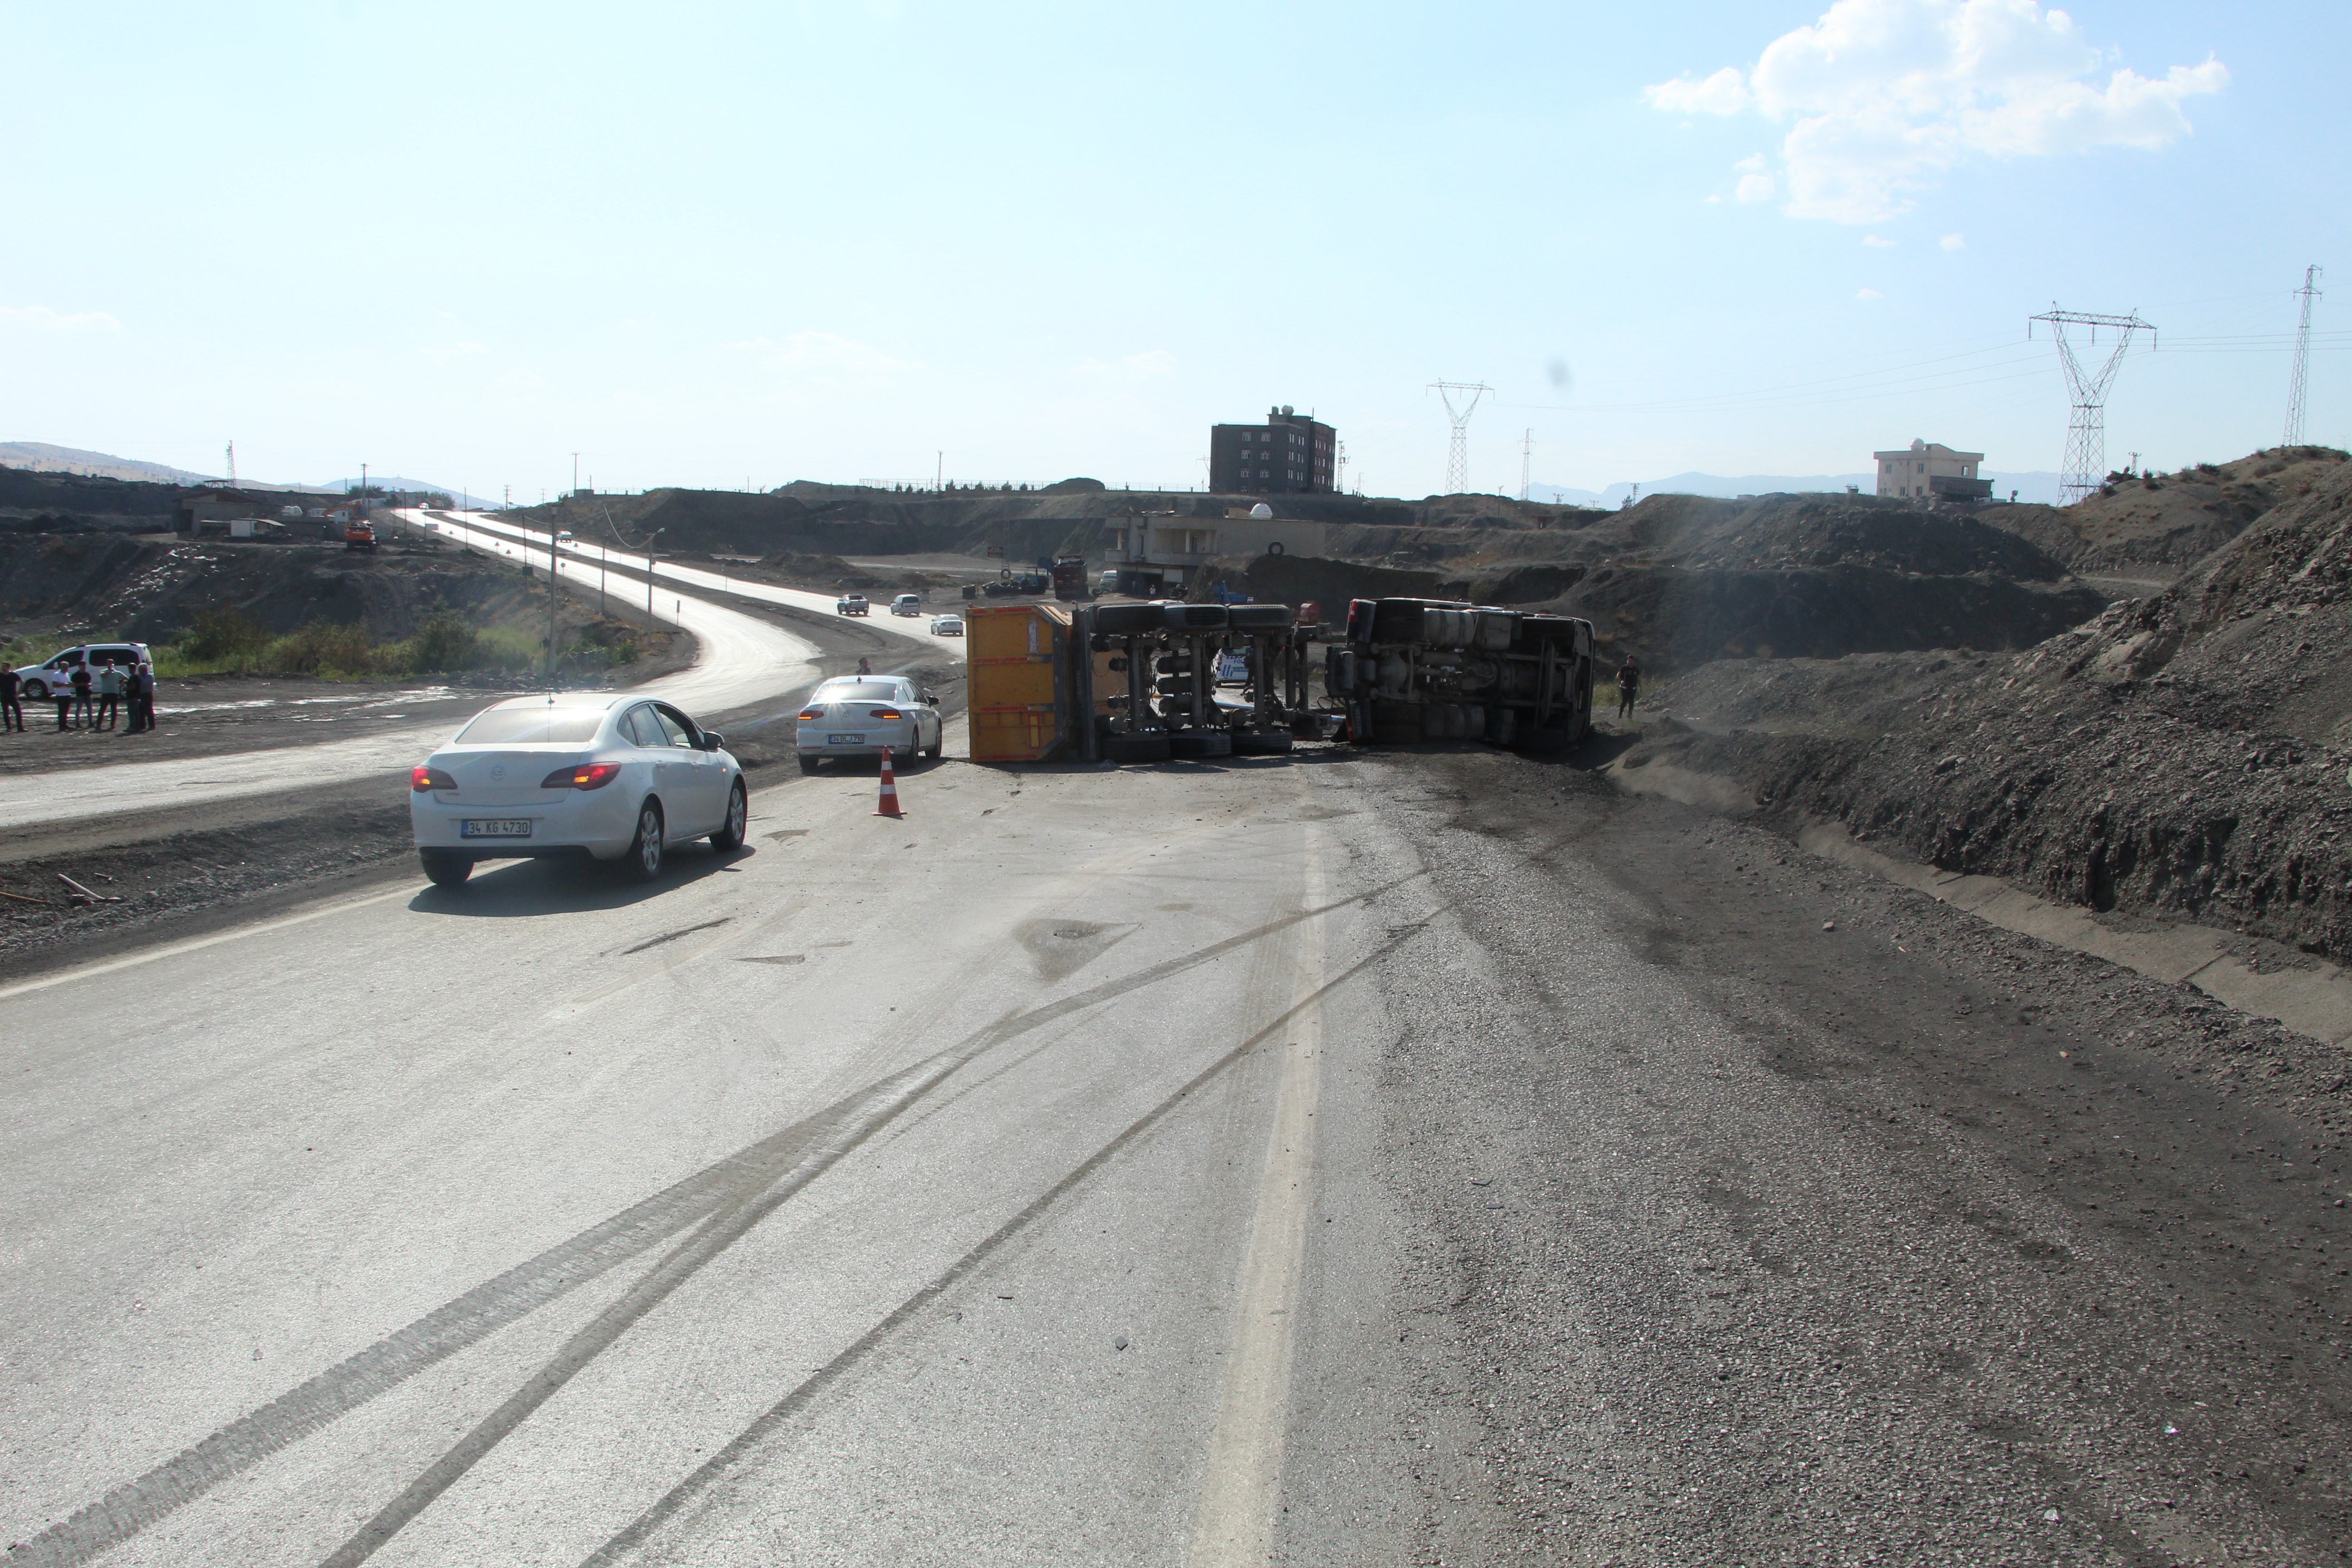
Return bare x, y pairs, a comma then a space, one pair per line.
446, 869
1196, 745
1149, 746
1261, 742
1127, 620
1182, 618
1260, 618
1396, 723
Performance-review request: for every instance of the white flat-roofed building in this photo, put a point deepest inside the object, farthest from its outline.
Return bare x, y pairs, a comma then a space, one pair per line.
1914, 470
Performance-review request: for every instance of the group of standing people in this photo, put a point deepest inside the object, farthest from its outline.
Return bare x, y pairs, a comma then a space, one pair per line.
112, 697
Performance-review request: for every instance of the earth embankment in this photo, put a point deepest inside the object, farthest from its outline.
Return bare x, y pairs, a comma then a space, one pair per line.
2179, 756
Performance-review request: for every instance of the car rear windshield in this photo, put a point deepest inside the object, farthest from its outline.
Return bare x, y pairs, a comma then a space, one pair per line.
522, 725
857, 692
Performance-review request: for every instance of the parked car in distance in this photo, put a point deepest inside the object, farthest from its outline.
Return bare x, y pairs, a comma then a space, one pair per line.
591, 775
563, 536
947, 626
906, 604
858, 715
850, 604
43, 680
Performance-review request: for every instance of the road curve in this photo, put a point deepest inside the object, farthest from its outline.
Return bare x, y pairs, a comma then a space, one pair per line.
739, 659
915, 629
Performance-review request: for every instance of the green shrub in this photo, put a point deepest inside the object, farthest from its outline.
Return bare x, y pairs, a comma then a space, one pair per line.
324, 647
223, 636
443, 643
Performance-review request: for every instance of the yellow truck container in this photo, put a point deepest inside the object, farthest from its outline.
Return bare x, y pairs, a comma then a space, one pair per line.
1018, 666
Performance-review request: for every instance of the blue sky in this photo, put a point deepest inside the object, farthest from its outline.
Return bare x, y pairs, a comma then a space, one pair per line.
720, 244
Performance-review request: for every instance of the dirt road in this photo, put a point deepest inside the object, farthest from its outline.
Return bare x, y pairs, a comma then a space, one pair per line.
1414, 1158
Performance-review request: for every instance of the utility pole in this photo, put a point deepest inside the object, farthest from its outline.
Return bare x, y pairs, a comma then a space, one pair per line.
1526, 461
939, 471
1457, 454
362, 479
2086, 466
575, 473
2309, 295
232, 446
1340, 468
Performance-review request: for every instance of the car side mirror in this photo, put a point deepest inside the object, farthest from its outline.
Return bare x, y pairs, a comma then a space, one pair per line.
933, 699
712, 739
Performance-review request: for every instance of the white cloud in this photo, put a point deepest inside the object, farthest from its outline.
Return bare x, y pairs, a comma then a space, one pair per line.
40, 318
1876, 243
1757, 189
1953, 242
1868, 294
456, 351
1722, 93
1881, 96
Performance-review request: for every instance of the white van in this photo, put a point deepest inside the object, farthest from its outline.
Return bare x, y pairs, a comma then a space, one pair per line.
43, 680
906, 604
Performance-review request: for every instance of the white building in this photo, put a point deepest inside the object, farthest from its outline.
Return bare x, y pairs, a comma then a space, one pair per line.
1913, 470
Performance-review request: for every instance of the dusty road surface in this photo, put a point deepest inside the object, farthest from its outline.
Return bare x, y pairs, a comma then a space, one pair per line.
1422, 1157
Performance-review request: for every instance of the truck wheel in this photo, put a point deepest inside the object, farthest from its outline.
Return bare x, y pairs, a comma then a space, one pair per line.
1261, 742
1396, 723
1195, 745
1149, 747
738, 811
1125, 620
644, 861
447, 870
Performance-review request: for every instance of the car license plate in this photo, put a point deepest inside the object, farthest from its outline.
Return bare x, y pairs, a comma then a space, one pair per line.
844, 739
502, 828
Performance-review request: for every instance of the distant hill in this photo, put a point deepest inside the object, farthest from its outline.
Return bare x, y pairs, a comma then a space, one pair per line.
39, 456
43, 458
2030, 486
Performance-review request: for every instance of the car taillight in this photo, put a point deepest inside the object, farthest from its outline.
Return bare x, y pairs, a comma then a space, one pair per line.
886, 713
812, 713
587, 776
424, 779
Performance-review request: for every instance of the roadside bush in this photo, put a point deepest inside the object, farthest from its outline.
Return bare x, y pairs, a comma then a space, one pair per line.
223, 636
443, 643
324, 647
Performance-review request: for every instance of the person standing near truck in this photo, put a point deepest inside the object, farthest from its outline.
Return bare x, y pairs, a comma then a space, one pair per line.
11, 711
81, 691
110, 697
1629, 683
142, 696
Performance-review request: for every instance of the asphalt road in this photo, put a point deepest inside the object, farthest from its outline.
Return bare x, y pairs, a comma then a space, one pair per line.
1426, 1157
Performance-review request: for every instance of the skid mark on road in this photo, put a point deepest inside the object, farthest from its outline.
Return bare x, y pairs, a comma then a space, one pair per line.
640, 1531
674, 935
730, 1187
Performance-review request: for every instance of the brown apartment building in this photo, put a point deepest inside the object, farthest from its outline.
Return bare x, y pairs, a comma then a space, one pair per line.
1290, 454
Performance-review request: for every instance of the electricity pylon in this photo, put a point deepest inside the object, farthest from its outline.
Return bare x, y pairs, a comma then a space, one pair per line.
1457, 455
1526, 461
2309, 294
2086, 468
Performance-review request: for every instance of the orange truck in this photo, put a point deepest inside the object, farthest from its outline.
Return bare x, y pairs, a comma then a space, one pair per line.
358, 535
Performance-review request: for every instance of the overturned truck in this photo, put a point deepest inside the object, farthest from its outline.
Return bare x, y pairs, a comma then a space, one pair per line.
1165, 679
1416, 670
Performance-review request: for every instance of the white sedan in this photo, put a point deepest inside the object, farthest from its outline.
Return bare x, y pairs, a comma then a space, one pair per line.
857, 715
947, 626
606, 776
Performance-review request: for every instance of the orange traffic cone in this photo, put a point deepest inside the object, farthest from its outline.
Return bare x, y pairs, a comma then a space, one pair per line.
889, 806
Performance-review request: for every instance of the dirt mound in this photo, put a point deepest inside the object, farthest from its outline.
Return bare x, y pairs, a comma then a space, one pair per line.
1855, 531
2168, 520
153, 590
1676, 617
2180, 756
39, 502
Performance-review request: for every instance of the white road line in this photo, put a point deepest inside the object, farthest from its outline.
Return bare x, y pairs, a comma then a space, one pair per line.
1241, 1485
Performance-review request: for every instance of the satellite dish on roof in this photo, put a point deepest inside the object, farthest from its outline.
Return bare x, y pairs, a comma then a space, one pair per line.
1261, 510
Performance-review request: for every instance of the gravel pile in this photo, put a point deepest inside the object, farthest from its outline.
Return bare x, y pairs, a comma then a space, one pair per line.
2181, 755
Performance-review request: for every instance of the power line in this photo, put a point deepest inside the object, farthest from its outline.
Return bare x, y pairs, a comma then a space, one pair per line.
2084, 468
2296, 379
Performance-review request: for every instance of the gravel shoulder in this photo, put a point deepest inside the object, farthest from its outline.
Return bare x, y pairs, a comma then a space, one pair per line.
1754, 1210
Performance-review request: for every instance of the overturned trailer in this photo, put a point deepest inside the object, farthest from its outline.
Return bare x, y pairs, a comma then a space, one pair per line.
1416, 670
1166, 679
